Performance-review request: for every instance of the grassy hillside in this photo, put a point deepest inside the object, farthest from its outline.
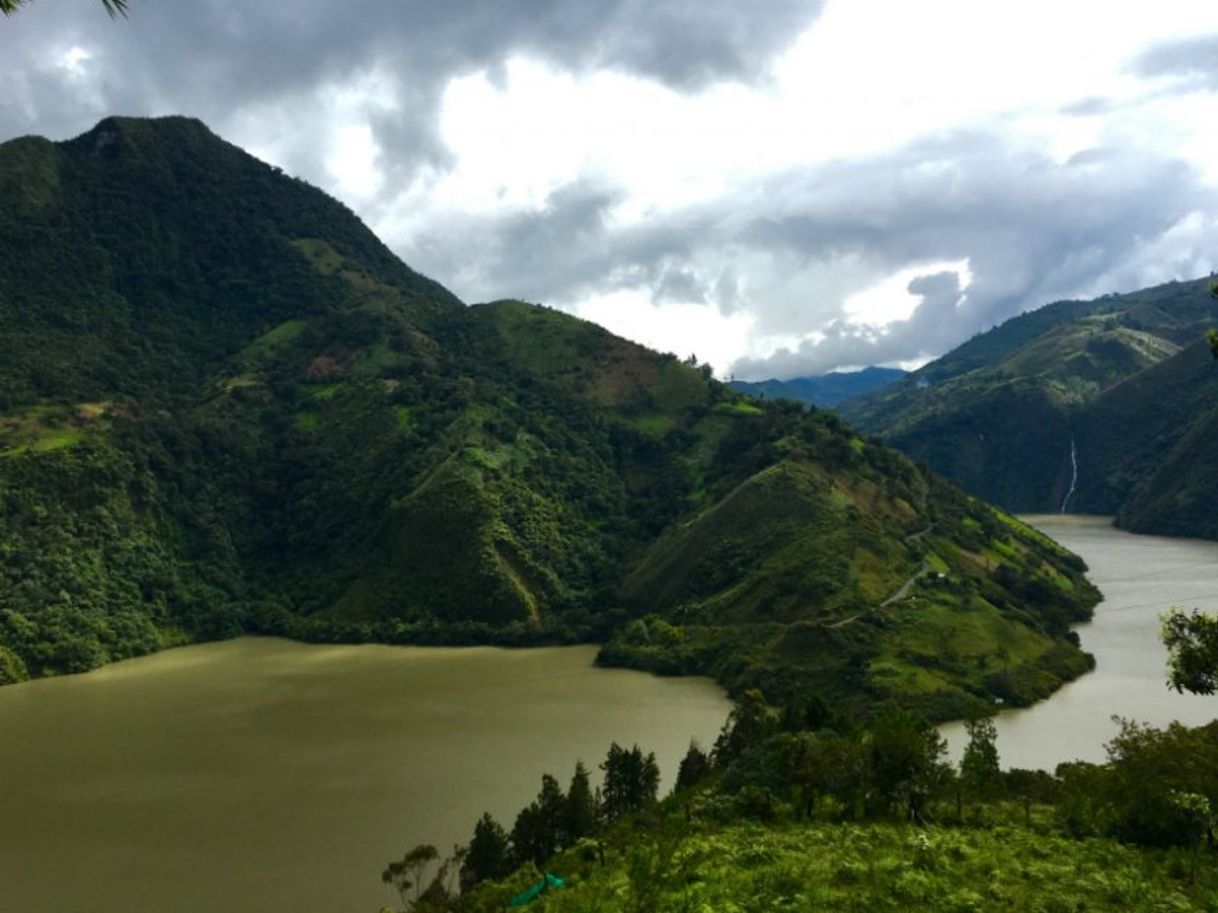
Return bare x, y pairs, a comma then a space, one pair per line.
1011, 414
803, 866
226, 407
833, 817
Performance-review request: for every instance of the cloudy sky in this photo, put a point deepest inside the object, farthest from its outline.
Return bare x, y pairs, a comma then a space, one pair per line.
782, 187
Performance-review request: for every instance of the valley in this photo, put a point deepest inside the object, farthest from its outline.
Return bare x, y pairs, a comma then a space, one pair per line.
1085, 406
264, 422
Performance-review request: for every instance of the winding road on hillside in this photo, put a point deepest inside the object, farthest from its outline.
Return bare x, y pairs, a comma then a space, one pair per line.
923, 569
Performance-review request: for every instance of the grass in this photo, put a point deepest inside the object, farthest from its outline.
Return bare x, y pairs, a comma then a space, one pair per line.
746, 866
324, 258
40, 429
272, 341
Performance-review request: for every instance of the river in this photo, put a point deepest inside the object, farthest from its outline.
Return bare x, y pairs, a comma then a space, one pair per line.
1140, 577
263, 775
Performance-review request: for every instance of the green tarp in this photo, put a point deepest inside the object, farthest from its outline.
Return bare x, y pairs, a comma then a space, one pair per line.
549, 881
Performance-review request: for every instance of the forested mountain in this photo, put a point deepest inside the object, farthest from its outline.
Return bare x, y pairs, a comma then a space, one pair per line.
1095, 406
825, 390
225, 407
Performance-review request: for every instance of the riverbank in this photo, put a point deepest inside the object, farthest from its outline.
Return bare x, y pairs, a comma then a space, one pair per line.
1141, 577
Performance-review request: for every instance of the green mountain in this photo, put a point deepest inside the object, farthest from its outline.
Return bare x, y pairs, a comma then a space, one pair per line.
825, 390
1077, 404
226, 407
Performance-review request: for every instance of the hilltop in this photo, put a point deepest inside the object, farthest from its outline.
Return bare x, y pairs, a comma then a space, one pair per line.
226, 407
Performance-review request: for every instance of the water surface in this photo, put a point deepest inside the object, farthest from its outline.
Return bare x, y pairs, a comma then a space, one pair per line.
263, 775
1140, 577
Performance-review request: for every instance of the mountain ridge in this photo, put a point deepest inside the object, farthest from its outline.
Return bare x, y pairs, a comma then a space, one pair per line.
1095, 386
233, 409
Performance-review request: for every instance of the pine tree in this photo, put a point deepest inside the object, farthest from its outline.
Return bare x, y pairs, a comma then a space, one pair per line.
579, 819
488, 858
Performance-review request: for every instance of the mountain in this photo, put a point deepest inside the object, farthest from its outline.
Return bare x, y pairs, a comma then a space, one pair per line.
226, 407
1075, 405
825, 390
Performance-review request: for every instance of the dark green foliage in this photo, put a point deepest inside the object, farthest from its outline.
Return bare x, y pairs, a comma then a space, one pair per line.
694, 768
800, 819
488, 856
1192, 644
632, 781
905, 756
749, 724
1155, 784
980, 773
1110, 387
539, 829
226, 407
580, 814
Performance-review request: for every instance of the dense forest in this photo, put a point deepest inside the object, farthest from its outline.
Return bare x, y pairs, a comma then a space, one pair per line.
226, 407
1099, 406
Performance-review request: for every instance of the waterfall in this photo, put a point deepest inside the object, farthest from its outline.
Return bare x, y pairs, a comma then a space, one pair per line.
1073, 474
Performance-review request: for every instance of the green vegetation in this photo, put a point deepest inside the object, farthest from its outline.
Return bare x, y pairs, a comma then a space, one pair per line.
226, 407
832, 817
1119, 388
1192, 645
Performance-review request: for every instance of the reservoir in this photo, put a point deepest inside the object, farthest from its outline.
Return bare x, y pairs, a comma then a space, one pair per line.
262, 775
1141, 577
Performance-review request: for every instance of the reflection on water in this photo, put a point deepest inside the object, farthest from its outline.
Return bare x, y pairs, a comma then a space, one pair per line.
263, 775
1140, 577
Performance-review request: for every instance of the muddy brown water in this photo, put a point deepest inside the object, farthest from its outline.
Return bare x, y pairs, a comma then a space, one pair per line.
1140, 577
263, 775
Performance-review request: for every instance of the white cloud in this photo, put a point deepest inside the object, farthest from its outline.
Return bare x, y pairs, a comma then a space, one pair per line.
892, 300
352, 161
751, 179
681, 328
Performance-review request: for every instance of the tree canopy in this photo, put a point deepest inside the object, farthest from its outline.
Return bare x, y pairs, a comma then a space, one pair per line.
1192, 645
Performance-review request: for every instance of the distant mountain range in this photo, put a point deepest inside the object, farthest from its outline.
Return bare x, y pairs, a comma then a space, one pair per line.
824, 390
1104, 406
225, 406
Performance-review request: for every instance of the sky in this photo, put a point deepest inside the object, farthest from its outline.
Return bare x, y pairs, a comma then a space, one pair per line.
781, 188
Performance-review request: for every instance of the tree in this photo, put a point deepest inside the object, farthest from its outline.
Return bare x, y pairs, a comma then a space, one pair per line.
487, 858
113, 7
537, 833
694, 768
408, 871
1192, 646
632, 781
979, 770
906, 761
579, 814
750, 723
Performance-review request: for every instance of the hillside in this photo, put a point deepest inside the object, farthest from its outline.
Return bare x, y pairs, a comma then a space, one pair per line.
1070, 405
824, 390
226, 407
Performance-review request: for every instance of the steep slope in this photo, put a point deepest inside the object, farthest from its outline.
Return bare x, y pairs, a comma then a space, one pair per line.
231, 409
1007, 414
825, 390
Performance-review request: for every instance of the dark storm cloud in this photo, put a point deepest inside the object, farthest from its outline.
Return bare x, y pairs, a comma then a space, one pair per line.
208, 58
1193, 60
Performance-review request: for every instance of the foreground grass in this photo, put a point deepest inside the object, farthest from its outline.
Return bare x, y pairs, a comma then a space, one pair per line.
746, 866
